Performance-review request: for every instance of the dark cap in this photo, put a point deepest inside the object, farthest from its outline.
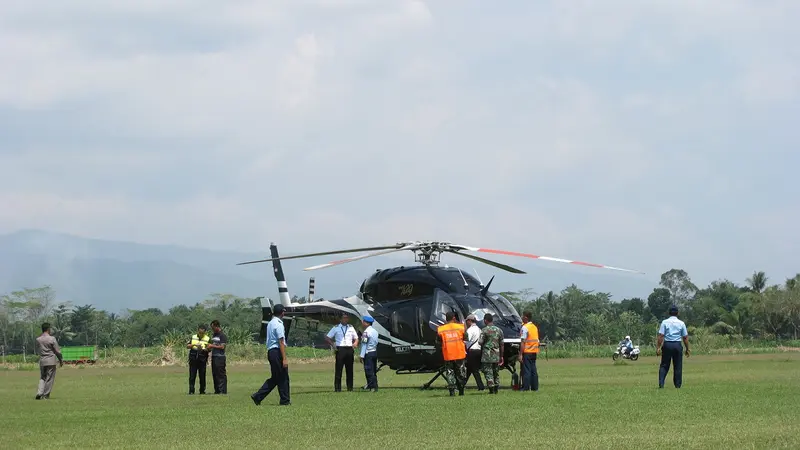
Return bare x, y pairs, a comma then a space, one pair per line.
673, 309
277, 309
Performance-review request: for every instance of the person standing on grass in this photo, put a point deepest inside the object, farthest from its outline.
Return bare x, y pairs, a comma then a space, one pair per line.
346, 339
492, 356
48, 350
529, 341
369, 353
452, 336
474, 351
218, 370
670, 334
278, 363
198, 358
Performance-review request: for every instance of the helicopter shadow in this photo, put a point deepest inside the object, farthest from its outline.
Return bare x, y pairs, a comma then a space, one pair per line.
322, 391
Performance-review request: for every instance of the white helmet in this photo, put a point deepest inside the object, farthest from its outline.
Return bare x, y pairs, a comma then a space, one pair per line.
628, 338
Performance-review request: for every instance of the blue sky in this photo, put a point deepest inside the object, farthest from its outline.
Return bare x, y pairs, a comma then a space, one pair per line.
649, 135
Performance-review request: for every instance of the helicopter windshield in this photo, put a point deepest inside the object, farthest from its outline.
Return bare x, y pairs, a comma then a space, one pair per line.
503, 306
495, 304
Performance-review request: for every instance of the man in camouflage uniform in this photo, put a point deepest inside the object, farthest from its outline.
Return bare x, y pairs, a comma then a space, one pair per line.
491, 342
455, 371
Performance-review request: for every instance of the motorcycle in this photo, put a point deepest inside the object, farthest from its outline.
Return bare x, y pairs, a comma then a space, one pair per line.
620, 352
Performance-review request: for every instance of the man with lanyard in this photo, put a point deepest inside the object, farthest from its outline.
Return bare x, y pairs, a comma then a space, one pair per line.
218, 373
474, 351
492, 356
529, 348
278, 364
451, 336
369, 353
670, 334
198, 359
346, 340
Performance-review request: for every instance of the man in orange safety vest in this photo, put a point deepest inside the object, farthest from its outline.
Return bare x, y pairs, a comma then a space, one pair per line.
529, 348
452, 336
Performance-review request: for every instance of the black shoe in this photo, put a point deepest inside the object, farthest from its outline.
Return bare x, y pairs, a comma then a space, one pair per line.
285, 404
252, 397
452, 392
38, 397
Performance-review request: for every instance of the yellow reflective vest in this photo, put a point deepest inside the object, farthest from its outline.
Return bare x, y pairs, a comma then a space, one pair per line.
199, 344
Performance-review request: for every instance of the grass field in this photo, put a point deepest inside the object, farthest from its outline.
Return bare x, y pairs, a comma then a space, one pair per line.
741, 401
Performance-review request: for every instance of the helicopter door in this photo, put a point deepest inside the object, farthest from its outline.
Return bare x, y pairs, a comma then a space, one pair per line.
427, 335
442, 304
403, 322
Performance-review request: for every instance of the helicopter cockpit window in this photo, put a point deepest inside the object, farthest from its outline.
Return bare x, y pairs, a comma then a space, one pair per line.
503, 306
442, 304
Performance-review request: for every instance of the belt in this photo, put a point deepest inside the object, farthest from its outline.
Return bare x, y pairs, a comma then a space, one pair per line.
344, 346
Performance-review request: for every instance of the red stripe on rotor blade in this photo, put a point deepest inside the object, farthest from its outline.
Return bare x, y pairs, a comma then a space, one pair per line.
580, 263
506, 252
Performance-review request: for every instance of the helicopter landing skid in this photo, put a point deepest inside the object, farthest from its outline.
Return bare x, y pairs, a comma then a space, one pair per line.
429, 383
514, 376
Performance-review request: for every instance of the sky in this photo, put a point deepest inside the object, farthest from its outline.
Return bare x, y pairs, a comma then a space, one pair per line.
648, 135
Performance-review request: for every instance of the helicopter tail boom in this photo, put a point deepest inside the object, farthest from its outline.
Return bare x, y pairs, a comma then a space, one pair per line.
283, 289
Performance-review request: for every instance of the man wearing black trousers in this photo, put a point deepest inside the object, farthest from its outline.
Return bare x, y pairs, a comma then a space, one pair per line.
346, 340
278, 364
474, 352
670, 334
198, 359
218, 370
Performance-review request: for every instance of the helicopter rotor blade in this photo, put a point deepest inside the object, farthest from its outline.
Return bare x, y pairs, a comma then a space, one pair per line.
546, 258
359, 257
489, 262
334, 252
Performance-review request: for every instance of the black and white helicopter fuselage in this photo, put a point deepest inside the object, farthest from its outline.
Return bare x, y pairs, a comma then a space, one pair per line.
408, 304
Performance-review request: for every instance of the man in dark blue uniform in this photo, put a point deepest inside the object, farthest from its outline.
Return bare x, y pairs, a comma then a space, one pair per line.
278, 364
670, 334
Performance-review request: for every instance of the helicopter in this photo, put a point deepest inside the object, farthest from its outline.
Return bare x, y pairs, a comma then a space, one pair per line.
408, 304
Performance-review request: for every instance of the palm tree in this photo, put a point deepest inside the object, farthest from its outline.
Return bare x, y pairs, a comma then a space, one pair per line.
758, 281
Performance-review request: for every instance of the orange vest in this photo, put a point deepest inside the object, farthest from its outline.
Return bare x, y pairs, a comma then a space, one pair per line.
531, 343
452, 336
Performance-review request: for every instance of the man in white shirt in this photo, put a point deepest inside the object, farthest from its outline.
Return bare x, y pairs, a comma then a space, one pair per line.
474, 351
345, 338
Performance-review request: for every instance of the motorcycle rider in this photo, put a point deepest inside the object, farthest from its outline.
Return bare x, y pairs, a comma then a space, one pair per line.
627, 344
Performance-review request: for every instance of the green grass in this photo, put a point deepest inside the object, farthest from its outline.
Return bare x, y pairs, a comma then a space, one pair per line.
741, 401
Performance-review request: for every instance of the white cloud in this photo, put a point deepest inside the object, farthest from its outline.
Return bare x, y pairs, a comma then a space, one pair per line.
546, 127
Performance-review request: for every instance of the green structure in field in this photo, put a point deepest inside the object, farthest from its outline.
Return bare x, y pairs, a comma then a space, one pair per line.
79, 355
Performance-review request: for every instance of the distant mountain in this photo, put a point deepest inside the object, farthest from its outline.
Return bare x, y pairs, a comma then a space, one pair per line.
116, 275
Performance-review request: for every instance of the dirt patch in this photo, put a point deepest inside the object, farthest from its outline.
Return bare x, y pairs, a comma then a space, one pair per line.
788, 349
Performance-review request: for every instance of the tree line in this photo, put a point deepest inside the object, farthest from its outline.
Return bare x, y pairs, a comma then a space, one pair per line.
754, 309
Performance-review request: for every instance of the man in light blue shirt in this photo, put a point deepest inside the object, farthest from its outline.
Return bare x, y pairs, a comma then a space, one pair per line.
279, 365
670, 334
369, 353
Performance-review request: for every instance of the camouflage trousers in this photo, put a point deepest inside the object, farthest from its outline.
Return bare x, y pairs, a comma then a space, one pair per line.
455, 372
491, 371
